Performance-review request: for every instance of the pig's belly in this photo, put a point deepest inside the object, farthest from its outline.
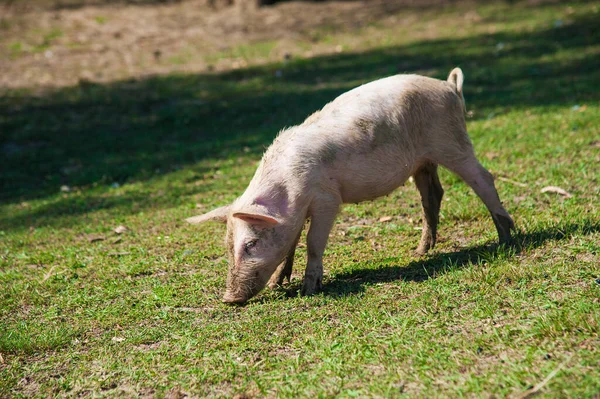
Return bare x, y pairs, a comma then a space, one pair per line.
367, 178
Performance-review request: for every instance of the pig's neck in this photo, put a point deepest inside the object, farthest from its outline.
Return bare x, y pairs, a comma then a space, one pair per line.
278, 182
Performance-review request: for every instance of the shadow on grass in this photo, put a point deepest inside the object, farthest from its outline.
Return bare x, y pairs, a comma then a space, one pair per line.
130, 131
431, 266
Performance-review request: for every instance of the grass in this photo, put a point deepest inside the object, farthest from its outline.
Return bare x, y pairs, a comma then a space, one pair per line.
89, 312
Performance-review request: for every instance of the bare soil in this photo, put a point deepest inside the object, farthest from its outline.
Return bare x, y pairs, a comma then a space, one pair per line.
62, 43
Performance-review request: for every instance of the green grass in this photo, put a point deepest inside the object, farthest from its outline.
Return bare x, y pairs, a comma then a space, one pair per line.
87, 312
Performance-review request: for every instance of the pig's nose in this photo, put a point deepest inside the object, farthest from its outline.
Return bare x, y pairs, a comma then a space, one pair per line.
232, 299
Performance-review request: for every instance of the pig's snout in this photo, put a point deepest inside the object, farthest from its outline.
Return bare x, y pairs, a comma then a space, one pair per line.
243, 284
232, 299
238, 289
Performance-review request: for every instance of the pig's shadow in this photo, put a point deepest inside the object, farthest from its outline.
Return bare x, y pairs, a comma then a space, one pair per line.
419, 270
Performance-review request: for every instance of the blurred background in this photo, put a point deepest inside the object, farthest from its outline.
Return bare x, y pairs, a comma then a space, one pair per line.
108, 92
62, 42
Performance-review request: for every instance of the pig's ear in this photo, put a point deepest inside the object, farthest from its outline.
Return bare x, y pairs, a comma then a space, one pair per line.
218, 215
257, 218
266, 208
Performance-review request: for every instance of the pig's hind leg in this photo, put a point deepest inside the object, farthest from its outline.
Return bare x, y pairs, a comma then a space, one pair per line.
482, 182
428, 184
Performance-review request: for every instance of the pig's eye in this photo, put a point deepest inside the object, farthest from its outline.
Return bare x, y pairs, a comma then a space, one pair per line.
249, 245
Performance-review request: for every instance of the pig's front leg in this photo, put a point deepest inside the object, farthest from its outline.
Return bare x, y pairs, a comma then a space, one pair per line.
284, 270
322, 216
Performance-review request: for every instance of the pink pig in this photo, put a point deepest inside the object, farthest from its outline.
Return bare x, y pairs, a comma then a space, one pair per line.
361, 146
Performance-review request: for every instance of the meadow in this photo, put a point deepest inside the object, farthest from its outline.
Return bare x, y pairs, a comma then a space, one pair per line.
88, 309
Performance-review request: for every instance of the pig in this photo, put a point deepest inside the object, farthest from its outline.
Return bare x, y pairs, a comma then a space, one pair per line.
362, 145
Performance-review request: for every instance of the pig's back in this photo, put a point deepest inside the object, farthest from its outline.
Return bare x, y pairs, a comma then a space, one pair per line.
369, 139
384, 99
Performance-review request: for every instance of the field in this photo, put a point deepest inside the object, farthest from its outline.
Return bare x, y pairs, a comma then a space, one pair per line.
142, 114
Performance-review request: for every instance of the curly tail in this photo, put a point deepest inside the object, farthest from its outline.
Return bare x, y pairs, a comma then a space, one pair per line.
456, 78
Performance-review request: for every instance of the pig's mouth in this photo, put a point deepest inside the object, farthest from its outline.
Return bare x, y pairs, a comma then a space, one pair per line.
241, 296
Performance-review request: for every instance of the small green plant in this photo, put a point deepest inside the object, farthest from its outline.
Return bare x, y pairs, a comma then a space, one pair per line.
15, 49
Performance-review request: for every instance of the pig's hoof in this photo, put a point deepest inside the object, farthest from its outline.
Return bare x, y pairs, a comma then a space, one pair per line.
427, 242
276, 281
504, 225
273, 282
311, 285
273, 285
420, 251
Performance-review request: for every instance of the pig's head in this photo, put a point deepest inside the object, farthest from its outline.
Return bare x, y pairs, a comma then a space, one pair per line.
258, 239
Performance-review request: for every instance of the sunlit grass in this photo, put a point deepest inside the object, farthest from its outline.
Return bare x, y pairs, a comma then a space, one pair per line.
86, 311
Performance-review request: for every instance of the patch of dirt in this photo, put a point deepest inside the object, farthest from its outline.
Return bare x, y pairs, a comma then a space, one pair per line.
202, 310
284, 352
145, 393
149, 347
176, 393
53, 45
28, 387
587, 257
